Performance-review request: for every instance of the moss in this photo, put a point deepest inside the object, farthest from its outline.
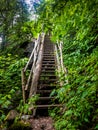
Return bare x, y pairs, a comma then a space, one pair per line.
20, 126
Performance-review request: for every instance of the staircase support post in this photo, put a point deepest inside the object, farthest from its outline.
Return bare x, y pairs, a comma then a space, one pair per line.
23, 85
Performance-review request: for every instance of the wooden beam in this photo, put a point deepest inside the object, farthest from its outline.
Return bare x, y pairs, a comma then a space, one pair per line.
37, 71
36, 44
23, 84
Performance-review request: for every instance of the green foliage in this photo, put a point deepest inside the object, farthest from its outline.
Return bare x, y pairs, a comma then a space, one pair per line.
75, 23
10, 82
13, 13
29, 106
20, 125
79, 96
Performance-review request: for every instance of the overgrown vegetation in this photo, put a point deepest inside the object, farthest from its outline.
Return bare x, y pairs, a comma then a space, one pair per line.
76, 24
14, 27
10, 83
13, 14
16, 31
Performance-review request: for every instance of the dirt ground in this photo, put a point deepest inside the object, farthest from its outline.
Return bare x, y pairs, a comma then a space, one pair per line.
42, 123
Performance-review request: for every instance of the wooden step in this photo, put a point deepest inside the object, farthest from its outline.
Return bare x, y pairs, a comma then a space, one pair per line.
49, 85
50, 48
48, 59
48, 80
52, 59
48, 54
47, 106
48, 71
48, 68
50, 62
46, 98
47, 75
44, 91
47, 64
46, 86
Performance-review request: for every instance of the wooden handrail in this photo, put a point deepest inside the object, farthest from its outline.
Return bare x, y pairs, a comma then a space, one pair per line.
37, 71
59, 60
34, 57
32, 54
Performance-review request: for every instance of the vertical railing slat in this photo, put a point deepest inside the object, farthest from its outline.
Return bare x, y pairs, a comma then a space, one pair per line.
59, 60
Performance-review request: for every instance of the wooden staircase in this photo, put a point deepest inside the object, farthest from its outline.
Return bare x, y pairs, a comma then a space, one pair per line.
44, 61
47, 81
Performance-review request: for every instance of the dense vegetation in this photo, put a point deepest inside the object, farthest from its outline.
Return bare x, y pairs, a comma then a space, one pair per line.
16, 31
75, 23
13, 21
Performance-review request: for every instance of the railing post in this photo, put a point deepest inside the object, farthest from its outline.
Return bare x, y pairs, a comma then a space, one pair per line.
59, 59
23, 85
61, 56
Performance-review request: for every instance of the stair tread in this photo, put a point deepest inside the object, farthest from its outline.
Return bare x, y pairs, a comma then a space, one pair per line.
44, 85
51, 105
49, 61
48, 64
46, 80
49, 79
45, 98
48, 53
46, 75
48, 56
42, 91
48, 68
47, 71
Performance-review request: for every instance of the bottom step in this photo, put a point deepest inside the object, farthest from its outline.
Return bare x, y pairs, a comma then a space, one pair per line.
45, 106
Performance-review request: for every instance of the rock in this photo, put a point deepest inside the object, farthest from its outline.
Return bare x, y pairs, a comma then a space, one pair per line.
25, 117
12, 115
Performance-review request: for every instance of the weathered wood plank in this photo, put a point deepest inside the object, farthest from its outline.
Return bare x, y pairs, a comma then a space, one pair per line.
33, 52
23, 84
37, 71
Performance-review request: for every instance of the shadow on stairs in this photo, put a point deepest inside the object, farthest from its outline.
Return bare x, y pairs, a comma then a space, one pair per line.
47, 81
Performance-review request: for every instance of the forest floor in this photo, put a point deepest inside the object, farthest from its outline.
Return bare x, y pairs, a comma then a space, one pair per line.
42, 123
